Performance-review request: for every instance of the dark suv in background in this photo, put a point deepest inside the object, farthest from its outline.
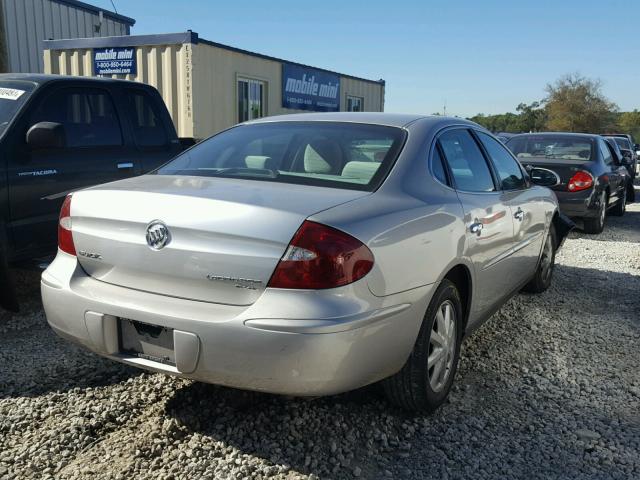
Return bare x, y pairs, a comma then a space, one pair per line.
59, 134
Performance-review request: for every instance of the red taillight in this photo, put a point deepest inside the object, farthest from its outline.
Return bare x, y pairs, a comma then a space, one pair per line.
580, 181
321, 257
65, 238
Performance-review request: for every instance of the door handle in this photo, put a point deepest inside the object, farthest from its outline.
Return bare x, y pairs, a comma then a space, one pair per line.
519, 215
125, 165
476, 227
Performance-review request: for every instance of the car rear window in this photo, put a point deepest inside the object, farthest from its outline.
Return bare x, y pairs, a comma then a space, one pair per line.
562, 147
332, 154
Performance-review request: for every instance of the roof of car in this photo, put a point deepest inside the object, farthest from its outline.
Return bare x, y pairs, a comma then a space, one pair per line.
42, 78
376, 118
564, 134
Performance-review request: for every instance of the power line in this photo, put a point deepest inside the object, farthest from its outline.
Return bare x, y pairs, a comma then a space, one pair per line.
114, 6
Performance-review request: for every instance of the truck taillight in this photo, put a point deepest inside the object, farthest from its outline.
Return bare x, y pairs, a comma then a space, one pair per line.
320, 257
580, 181
65, 237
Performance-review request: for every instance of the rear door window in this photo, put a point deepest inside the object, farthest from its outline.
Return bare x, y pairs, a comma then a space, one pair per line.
510, 173
467, 163
148, 128
88, 116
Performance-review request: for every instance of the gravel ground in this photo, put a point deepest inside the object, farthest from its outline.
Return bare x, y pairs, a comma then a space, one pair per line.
549, 388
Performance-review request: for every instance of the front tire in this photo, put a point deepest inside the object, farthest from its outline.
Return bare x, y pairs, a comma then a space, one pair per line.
595, 225
426, 378
544, 272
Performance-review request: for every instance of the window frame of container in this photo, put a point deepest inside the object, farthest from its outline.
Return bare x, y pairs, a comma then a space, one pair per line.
354, 97
249, 80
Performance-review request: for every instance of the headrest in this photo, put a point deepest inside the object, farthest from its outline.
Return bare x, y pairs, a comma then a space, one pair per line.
360, 170
259, 161
322, 156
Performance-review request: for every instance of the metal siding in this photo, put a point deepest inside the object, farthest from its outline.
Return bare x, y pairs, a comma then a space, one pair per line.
372, 93
215, 76
29, 22
208, 74
163, 66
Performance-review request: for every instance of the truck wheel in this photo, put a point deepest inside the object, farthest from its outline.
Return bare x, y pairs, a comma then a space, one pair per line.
425, 380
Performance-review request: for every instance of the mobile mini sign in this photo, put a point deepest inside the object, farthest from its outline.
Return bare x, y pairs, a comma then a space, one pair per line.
308, 89
114, 61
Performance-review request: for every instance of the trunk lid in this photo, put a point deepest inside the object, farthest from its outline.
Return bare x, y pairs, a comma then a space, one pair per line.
565, 169
226, 235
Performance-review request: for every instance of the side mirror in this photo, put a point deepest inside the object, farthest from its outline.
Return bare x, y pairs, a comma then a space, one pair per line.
46, 135
543, 177
627, 157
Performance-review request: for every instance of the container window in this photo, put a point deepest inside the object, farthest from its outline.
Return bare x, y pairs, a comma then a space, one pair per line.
88, 116
355, 104
251, 102
148, 128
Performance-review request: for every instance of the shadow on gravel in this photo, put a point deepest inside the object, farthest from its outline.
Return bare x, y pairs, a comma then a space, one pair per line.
616, 229
509, 417
34, 361
330, 435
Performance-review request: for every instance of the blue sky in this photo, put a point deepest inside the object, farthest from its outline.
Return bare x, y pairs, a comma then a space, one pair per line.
477, 56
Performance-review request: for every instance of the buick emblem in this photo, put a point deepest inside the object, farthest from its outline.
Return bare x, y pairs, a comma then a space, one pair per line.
157, 235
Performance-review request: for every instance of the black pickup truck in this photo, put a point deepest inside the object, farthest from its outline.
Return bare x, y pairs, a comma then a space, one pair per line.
59, 134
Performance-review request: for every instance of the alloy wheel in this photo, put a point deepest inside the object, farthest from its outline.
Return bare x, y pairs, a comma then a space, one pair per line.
442, 346
546, 262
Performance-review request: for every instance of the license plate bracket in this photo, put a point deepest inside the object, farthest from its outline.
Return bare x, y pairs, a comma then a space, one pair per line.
146, 341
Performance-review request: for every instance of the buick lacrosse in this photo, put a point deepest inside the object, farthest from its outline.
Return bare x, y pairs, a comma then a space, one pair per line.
306, 255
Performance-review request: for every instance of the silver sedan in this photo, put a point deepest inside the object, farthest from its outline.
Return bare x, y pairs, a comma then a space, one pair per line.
306, 255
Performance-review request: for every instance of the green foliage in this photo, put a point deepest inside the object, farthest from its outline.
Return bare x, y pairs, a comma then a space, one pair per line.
573, 104
629, 122
576, 104
530, 118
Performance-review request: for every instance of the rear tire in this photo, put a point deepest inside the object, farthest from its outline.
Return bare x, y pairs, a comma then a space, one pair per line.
621, 206
544, 272
424, 382
595, 225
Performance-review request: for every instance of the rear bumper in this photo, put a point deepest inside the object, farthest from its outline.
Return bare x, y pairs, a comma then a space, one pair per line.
288, 342
578, 204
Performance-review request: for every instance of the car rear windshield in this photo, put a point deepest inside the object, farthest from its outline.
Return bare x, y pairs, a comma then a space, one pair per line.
13, 94
329, 154
562, 147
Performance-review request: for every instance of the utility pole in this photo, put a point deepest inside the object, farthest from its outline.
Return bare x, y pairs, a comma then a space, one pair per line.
444, 110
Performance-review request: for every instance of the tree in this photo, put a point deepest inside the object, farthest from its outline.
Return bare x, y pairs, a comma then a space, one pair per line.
576, 104
629, 122
532, 117
504, 122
